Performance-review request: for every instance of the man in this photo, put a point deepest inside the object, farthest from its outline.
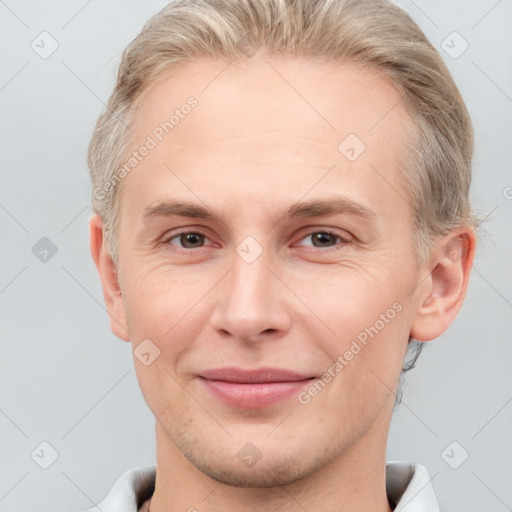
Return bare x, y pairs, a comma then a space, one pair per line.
281, 197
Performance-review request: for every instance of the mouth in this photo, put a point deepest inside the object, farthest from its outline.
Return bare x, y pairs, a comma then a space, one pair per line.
253, 389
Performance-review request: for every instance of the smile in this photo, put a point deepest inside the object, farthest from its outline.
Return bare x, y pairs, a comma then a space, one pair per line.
254, 388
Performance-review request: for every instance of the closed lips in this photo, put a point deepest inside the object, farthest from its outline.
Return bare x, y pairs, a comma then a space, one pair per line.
254, 388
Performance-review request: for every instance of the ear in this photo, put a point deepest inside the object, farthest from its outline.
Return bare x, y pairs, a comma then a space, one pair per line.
109, 279
446, 285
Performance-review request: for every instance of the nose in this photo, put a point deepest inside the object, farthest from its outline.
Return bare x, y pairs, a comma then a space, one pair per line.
252, 302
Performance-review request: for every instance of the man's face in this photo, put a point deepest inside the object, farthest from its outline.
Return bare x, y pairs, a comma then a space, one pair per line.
253, 308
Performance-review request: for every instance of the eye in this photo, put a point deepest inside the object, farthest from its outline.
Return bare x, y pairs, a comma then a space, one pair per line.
323, 239
188, 239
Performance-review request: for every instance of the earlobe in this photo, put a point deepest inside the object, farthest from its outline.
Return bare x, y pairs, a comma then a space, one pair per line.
446, 285
109, 279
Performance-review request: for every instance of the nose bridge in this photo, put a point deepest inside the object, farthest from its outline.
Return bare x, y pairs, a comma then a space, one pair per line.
249, 302
249, 281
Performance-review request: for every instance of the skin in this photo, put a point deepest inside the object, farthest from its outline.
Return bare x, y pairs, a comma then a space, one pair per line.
251, 149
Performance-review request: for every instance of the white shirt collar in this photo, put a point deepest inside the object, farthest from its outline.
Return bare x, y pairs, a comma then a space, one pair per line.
407, 485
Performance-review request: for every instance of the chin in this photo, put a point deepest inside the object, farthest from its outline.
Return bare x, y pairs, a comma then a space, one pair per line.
263, 474
276, 464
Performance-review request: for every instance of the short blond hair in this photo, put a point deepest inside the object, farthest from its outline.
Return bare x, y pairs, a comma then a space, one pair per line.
371, 33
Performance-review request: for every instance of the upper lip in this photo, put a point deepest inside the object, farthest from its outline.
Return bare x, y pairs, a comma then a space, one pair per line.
253, 376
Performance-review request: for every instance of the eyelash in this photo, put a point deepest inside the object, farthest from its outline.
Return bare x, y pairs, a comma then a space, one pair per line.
342, 242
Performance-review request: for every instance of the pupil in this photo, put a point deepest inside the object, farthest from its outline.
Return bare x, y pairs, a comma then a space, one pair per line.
322, 238
191, 239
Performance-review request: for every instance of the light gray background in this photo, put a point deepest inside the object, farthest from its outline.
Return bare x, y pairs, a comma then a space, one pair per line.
65, 378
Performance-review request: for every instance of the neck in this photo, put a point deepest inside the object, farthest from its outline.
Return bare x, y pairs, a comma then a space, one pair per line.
355, 481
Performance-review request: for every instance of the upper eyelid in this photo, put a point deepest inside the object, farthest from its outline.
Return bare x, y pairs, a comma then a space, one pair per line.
325, 229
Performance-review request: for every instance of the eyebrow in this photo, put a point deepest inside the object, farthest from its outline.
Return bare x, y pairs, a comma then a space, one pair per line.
328, 207
314, 208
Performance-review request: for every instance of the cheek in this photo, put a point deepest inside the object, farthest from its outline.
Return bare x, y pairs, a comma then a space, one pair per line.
363, 375
368, 325
354, 298
164, 315
162, 322
159, 303
170, 311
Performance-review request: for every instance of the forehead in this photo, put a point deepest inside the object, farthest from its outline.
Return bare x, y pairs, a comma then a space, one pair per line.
279, 118
334, 97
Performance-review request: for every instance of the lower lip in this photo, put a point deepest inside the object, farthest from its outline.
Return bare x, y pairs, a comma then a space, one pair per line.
253, 396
